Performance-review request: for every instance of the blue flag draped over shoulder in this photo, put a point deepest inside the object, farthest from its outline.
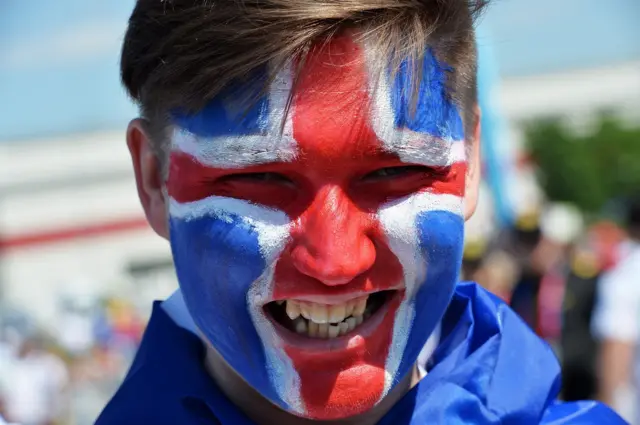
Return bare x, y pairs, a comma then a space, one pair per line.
489, 368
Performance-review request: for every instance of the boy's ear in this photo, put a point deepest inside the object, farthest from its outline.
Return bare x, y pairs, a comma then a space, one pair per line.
474, 167
149, 180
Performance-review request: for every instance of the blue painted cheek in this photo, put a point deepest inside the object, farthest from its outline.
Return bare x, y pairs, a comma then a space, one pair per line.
216, 262
441, 241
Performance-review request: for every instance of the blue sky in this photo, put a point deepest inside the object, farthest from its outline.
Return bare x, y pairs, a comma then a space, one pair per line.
59, 60
536, 36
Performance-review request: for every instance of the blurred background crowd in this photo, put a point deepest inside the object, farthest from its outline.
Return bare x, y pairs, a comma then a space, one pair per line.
555, 235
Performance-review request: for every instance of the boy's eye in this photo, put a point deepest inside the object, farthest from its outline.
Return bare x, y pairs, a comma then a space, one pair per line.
258, 178
391, 172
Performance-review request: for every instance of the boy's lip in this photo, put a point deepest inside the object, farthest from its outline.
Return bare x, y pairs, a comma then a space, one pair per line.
351, 340
333, 299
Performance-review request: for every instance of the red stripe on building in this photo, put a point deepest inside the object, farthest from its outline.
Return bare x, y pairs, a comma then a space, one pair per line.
66, 234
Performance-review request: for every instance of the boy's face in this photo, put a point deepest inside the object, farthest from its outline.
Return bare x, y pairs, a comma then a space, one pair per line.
319, 261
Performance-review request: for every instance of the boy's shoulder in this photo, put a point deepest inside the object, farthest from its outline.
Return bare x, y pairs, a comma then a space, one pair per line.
491, 363
166, 381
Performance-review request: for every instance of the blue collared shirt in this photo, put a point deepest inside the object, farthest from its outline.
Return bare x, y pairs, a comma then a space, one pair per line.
489, 368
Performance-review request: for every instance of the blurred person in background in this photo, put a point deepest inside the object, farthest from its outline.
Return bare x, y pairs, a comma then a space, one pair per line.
474, 252
616, 323
578, 347
74, 331
497, 273
540, 244
36, 385
8, 351
317, 234
15, 326
4, 422
591, 257
560, 226
520, 242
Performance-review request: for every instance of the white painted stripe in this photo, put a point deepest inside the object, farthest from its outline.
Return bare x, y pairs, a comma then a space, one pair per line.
282, 373
247, 150
272, 226
273, 229
410, 146
395, 213
225, 207
398, 220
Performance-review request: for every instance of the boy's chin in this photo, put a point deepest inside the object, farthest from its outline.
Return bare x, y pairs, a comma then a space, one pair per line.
354, 392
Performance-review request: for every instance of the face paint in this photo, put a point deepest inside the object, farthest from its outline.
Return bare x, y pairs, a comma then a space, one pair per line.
357, 199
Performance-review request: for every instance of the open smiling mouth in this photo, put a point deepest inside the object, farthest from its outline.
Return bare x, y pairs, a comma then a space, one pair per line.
323, 321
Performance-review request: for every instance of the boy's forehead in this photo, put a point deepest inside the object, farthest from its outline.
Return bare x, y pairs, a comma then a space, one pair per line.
340, 98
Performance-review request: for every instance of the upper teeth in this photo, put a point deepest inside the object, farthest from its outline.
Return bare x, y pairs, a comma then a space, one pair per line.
323, 313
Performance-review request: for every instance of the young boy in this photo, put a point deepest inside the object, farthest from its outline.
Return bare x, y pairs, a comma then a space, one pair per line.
312, 163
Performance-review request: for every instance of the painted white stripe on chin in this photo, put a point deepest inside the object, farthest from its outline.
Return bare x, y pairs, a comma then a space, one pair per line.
273, 230
398, 220
282, 374
247, 150
410, 146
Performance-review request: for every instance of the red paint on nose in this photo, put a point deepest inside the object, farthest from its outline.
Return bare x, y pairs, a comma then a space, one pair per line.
332, 239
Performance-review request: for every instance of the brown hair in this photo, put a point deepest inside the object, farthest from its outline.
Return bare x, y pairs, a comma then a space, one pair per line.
182, 53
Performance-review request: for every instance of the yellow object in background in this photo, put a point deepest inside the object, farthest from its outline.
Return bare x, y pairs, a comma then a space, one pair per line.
474, 249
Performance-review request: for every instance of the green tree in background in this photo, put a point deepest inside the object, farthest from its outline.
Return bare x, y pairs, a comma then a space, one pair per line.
586, 170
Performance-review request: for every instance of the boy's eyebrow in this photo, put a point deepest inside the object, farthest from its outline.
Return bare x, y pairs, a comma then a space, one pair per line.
235, 151
216, 138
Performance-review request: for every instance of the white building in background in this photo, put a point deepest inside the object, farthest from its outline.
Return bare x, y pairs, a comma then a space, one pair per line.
71, 226
577, 94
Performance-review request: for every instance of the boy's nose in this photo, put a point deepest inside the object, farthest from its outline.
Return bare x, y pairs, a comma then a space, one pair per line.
332, 242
